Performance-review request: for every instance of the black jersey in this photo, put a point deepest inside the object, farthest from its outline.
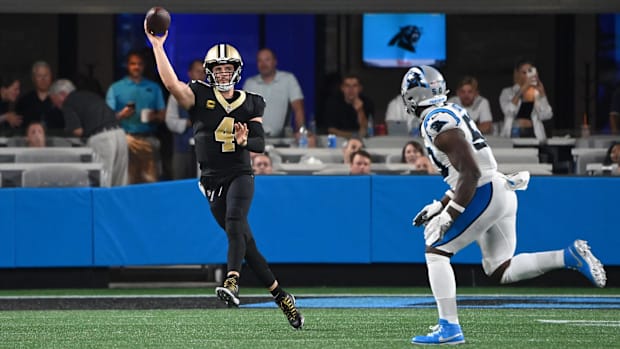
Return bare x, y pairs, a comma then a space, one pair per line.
213, 118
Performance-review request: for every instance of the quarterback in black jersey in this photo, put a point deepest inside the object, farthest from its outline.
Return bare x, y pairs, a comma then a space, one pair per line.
227, 126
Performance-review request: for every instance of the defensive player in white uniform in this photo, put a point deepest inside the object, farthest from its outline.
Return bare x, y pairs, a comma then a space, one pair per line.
480, 206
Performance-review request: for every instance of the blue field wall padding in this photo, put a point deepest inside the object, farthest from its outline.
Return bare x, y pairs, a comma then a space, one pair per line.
7, 229
53, 227
311, 219
554, 211
395, 201
295, 219
157, 224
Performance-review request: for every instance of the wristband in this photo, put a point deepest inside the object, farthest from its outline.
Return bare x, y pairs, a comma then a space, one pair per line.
455, 206
450, 194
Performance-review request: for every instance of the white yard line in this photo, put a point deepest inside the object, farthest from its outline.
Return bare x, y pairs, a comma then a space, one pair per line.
600, 323
317, 295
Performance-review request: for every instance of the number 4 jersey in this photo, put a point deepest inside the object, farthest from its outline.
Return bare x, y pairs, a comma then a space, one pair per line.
213, 118
438, 119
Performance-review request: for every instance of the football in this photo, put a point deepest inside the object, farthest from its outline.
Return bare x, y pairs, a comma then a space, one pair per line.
157, 20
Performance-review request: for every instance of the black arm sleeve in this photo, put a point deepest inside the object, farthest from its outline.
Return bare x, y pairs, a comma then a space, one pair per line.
256, 137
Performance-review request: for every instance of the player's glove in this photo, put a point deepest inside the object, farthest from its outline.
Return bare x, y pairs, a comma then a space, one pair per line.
429, 211
437, 227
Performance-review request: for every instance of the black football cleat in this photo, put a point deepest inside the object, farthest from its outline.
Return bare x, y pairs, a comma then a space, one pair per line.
229, 292
287, 305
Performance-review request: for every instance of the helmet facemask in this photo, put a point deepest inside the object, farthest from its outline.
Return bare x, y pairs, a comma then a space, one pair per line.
219, 55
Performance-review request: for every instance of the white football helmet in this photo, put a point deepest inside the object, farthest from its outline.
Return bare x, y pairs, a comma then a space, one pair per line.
422, 86
223, 54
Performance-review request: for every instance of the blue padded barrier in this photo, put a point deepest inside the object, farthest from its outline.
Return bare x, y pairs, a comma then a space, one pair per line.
154, 224
312, 219
7, 228
295, 219
395, 201
554, 211
53, 227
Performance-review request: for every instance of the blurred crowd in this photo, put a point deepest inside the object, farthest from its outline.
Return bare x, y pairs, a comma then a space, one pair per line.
157, 134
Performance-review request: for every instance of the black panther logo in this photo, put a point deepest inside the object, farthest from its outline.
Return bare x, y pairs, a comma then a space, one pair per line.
438, 125
407, 37
416, 79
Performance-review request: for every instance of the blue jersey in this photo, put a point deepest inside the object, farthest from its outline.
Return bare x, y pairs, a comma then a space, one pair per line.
146, 94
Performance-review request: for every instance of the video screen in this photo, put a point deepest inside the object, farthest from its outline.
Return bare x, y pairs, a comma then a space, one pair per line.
392, 40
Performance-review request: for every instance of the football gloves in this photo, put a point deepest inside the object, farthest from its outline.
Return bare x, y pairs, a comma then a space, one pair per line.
428, 212
437, 227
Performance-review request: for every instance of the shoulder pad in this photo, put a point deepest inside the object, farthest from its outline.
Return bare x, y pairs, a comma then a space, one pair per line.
440, 120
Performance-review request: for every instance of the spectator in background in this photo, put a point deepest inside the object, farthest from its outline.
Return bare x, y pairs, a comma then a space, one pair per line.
88, 116
526, 103
9, 92
613, 157
36, 104
396, 112
411, 151
139, 104
614, 112
347, 114
351, 146
360, 163
178, 121
261, 164
35, 135
423, 164
281, 92
478, 107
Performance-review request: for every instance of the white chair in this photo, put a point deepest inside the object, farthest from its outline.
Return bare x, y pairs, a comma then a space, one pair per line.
324, 158
596, 141
55, 176
517, 155
393, 158
35, 155
389, 141
598, 169
586, 157
498, 142
49, 142
334, 170
534, 168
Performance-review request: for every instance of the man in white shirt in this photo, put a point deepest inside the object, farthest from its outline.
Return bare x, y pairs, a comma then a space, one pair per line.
478, 107
280, 90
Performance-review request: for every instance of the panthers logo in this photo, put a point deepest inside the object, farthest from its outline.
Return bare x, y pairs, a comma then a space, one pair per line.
416, 78
438, 125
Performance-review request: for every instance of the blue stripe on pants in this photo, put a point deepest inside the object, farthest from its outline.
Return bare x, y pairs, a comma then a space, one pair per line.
478, 204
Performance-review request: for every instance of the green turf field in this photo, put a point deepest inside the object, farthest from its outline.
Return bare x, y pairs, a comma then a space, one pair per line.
325, 327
